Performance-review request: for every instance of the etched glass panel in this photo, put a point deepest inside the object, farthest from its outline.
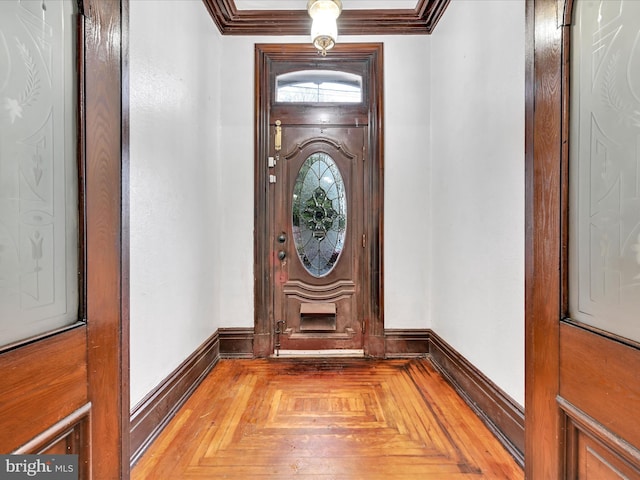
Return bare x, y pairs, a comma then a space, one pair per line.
605, 166
319, 86
38, 175
319, 214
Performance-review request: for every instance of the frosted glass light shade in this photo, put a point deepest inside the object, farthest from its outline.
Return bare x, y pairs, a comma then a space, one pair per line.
324, 33
324, 29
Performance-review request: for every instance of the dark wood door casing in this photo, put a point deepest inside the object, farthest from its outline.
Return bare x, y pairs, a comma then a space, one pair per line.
266, 56
581, 399
542, 237
67, 391
106, 230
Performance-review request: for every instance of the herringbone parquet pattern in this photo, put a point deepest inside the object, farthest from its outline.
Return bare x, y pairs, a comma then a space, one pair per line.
325, 419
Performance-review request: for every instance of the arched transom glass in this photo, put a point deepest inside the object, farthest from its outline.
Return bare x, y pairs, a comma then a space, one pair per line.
318, 86
319, 214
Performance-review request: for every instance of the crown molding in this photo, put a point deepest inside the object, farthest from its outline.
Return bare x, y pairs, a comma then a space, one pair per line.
420, 20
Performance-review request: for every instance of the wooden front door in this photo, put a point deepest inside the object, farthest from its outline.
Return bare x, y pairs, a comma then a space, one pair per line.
582, 405
319, 237
319, 200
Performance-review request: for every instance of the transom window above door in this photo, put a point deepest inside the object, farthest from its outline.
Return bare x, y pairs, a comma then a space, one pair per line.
318, 86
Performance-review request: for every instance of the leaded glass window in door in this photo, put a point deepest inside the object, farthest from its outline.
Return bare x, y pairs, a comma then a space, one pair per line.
319, 214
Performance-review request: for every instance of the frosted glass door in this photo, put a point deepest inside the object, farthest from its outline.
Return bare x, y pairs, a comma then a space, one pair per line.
38, 174
605, 167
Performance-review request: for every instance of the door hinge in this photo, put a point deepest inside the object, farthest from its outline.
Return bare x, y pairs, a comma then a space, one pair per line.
364, 240
364, 324
272, 179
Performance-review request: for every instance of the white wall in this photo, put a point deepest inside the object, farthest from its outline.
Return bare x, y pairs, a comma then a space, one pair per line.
406, 246
407, 175
174, 100
454, 200
478, 186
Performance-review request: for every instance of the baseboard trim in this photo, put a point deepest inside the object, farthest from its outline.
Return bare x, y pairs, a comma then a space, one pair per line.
406, 343
236, 342
153, 413
502, 415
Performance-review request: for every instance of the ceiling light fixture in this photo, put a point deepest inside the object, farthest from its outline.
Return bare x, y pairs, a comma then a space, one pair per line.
324, 30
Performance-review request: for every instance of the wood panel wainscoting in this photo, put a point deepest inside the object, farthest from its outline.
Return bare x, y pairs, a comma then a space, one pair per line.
600, 440
501, 414
47, 410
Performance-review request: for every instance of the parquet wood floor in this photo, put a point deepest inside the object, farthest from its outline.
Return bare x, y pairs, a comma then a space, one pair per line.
342, 419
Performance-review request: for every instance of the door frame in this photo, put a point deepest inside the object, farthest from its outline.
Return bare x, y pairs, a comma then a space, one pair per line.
106, 177
265, 54
543, 131
93, 353
562, 399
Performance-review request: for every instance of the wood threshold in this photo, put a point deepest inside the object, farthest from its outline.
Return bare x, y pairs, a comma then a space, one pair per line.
331, 353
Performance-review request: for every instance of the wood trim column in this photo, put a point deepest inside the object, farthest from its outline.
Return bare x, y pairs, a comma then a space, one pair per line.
105, 198
125, 387
543, 149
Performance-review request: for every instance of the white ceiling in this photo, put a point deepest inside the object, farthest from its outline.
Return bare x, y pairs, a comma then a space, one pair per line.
346, 4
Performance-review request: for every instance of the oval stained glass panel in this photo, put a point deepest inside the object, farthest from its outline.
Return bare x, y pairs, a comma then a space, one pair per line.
319, 214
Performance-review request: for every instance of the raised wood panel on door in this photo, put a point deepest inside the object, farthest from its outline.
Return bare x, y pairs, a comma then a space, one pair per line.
595, 460
600, 396
594, 453
41, 384
593, 367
